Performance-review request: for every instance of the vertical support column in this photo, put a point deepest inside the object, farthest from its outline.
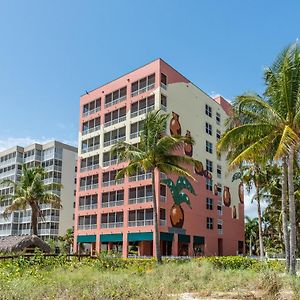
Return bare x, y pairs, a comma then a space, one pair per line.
191, 248
98, 244
125, 245
175, 245
110, 246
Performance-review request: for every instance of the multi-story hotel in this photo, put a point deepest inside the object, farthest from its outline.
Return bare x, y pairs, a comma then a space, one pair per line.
118, 214
59, 161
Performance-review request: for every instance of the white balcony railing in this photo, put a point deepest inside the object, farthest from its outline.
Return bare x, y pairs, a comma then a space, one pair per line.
53, 168
87, 226
88, 206
115, 101
115, 121
112, 225
163, 222
110, 162
138, 223
52, 180
89, 149
89, 168
114, 141
140, 200
163, 107
112, 203
143, 90
142, 111
134, 135
88, 187
163, 199
112, 182
140, 177
90, 112
90, 130
163, 86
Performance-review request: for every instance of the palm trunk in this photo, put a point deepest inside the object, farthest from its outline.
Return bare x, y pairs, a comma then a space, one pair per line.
34, 217
284, 214
155, 220
250, 245
292, 212
261, 244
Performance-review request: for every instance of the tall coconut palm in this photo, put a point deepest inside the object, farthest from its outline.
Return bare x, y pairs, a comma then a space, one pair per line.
251, 232
31, 191
156, 152
270, 127
253, 176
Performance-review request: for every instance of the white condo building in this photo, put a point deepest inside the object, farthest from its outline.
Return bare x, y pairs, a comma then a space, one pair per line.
59, 161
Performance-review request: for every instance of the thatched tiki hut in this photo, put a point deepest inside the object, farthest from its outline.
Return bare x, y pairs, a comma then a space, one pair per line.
25, 243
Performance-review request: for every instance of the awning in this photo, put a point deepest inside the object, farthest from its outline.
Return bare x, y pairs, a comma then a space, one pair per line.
166, 236
140, 236
86, 238
183, 238
114, 237
199, 240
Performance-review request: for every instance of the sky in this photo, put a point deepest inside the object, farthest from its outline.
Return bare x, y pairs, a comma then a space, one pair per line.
51, 52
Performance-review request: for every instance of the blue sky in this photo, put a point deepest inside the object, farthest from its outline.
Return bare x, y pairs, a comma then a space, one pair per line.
52, 51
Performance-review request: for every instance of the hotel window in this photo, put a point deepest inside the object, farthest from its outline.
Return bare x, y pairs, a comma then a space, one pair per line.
112, 220
209, 203
220, 227
142, 107
219, 208
162, 217
218, 118
218, 134
219, 171
114, 117
163, 81
114, 198
208, 128
209, 165
91, 126
209, 147
87, 222
112, 137
163, 102
115, 97
143, 85
91, 107
135, 129
208, 110
209, 184
90, 144
210, 223
219, 189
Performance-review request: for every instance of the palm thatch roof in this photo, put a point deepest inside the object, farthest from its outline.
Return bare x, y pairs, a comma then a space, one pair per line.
15, 243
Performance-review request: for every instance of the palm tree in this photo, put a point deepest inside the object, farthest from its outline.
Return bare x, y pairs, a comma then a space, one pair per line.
251, 232
31, 191
155, 153
266, 128
253, 176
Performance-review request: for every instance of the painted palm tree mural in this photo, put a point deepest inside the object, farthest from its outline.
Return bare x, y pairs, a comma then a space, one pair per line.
176, 213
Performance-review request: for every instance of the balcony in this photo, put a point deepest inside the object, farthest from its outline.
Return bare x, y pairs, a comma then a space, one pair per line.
90, 112
142, 111
114, 141
87, 226
162, 107
52, 180
89, 149
110, 162
140, 177
88, 187
25, 219
163, 86
163, 222
140, 200
88, 206
143, 90
163, 199
49, 219
115, 101
112, 225
53, 168
220, 231
48, 231
112, 182
32, 157
134, 135
112, 203
115, 121
89, 168
90, 130
139, 223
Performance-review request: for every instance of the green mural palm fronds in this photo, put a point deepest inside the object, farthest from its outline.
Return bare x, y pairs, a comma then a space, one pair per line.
176, 190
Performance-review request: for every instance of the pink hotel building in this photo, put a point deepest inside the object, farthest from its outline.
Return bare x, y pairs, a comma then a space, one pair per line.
117, 214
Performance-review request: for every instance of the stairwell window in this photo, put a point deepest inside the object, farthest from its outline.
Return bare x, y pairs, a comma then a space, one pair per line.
208, 128
218, 118
209, 165
210, 223
209, 147
209, 204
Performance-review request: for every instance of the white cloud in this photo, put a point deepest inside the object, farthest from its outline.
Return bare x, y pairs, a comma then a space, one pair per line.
25, 141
